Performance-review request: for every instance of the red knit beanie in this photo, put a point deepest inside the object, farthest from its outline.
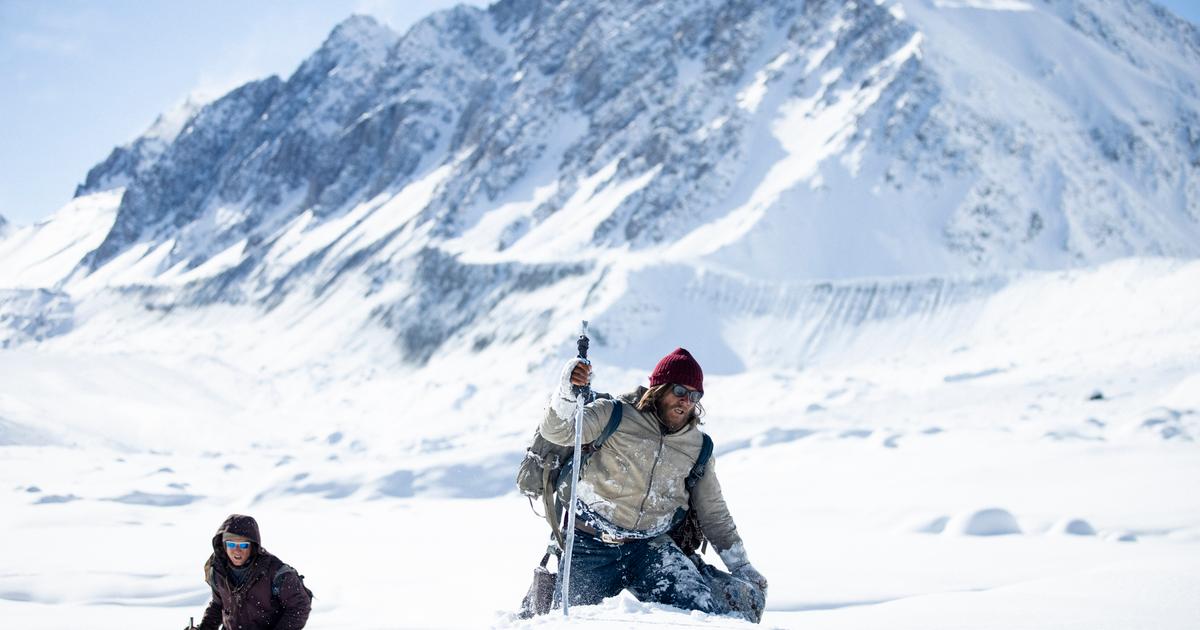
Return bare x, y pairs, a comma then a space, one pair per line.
678, 367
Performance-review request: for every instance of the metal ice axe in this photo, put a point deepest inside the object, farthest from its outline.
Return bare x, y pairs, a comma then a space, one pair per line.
583, 395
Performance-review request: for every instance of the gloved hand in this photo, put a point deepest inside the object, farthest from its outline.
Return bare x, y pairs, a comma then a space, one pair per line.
750, 574
739, 565
576, 372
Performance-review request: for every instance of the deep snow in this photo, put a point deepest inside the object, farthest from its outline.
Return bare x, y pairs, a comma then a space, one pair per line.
860, 480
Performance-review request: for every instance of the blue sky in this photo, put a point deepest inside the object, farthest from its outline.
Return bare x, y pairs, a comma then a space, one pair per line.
80, 77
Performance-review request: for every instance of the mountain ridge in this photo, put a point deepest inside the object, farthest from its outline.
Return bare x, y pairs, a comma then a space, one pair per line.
781, 140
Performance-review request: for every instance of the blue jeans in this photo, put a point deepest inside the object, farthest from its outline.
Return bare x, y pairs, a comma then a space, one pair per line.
653, 570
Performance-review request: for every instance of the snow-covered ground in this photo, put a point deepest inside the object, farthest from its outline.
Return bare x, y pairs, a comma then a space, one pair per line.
862, 471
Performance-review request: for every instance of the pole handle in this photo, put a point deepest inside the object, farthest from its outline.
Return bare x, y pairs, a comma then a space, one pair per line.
582, 342
582, 345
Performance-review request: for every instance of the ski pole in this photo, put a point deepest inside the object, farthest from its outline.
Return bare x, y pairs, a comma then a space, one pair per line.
191, 623
582, 396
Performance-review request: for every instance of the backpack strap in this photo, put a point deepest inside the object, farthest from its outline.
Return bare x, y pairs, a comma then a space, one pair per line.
706, 450
614, 421
280, 575
685, 526
693, 478
548, 507
550, 498
209, 577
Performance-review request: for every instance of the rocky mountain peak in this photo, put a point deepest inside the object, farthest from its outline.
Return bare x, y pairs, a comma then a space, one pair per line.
357, 46
360, 31
128, 161
777, 140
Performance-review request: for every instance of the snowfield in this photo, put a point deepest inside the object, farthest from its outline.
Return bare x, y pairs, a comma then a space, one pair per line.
1021, 458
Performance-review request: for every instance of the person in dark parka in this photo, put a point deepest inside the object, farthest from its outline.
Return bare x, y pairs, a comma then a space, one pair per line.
251, 589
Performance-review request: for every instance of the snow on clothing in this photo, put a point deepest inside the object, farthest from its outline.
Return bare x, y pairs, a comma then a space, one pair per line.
654, 570
634, 485
264, 595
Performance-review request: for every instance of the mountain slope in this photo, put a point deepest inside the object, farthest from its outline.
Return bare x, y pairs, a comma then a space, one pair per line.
545, 147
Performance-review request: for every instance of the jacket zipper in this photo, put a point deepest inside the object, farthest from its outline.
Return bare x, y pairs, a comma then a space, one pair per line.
650, 482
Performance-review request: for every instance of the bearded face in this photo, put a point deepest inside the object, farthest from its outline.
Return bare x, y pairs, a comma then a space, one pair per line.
675, 411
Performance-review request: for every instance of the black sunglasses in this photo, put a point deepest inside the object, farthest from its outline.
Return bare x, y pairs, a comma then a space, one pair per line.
682, 392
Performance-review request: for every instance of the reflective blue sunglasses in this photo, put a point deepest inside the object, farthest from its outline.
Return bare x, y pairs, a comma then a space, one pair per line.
229, 544
682, 392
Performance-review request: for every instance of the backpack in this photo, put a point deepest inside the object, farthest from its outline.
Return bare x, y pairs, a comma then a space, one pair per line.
544, 463
280, 575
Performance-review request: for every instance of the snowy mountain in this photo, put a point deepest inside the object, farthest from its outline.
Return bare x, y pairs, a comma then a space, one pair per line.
126, 163
938, 259
535, 143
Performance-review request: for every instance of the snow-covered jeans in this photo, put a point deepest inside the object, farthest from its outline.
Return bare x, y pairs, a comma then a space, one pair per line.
653, 570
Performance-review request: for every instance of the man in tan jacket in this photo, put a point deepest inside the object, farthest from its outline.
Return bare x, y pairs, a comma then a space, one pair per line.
632, 491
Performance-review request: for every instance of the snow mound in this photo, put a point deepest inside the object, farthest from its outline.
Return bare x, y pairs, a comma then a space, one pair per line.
1073, 527
1172, 424
933, 526
138, 497
50, 499
986, 522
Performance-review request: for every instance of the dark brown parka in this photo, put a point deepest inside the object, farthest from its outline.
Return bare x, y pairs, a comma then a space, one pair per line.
272, 597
